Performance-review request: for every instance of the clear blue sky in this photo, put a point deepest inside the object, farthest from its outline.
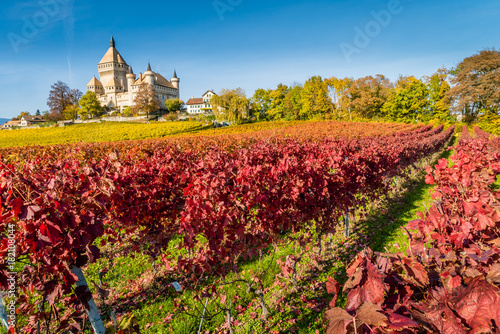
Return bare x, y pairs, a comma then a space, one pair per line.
232, 43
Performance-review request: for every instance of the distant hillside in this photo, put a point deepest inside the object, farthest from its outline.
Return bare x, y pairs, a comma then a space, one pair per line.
4, 120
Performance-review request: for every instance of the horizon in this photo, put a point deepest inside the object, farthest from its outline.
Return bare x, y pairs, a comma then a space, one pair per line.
233, 43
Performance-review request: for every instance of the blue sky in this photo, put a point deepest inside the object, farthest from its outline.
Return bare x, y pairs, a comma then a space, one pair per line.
233, 43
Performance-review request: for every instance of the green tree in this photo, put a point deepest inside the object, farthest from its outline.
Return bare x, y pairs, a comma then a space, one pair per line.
475, 85
366, 96
315, 98
38, 112
71, 112
90, 105
230, 105
277, 109
173, 105
439, 100
293, 102
261, 102
408, 101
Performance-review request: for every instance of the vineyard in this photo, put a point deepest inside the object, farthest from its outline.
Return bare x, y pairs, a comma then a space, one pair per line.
227, 226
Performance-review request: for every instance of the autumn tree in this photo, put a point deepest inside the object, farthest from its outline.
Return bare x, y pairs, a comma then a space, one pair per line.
366, 96
230, 105
60, 97
173, 105
71, 112
407, 101
475, 85
146, 101
315, 98
90, 105
337, 89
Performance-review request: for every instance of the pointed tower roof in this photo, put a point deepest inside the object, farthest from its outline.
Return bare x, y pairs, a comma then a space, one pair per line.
149, 66
112, 55
113, 83
94, 82
175, 74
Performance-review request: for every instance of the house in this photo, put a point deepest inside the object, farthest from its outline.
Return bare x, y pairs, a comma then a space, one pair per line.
30, 120
11, 124
118, 85
201, 104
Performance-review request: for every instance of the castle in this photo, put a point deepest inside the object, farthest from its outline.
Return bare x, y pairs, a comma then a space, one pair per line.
121, 84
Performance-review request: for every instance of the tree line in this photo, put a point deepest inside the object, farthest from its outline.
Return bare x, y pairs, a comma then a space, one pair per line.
469, 93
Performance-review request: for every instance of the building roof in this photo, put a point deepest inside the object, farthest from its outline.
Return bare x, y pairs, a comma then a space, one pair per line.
209, 91
175, 75
94, 82
112, 56
13, 123
159, 80
192, 101
149, 66
33, 118
113, 83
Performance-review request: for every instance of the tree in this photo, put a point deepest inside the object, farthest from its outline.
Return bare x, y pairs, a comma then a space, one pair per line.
24, 113
475, 85
293, 102
173, 105
408, 101
367, 95
38, 112
338, 94
71, 112
90, 105
261, 102
230, 105
277, 109
315, 98
146, 101
439, 100
60, 97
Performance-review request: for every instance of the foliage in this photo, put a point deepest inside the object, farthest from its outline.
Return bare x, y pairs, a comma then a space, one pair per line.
174, 105
407, 101
315, 98
338, 93
475, 85
367, 95
230, 105
90, 106
439, 101
60, 97
71, 112
450, 278
146, 101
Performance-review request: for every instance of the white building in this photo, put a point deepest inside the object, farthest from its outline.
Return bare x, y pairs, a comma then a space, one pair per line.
200, 105
121, 85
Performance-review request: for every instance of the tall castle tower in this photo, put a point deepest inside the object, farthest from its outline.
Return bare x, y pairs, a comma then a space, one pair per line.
113, 66
175, 82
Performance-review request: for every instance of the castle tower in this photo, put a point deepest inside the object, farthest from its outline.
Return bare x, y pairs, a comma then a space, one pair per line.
175, 82
95, 86
113, 66
149, 75
130, 82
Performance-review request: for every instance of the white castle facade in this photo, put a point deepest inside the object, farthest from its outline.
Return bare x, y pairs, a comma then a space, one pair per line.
118, 85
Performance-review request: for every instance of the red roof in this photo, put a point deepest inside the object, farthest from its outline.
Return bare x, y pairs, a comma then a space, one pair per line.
195, 101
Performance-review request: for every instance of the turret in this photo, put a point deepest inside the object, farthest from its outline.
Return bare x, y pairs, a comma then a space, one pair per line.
130, 82
175, 82
149, 75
